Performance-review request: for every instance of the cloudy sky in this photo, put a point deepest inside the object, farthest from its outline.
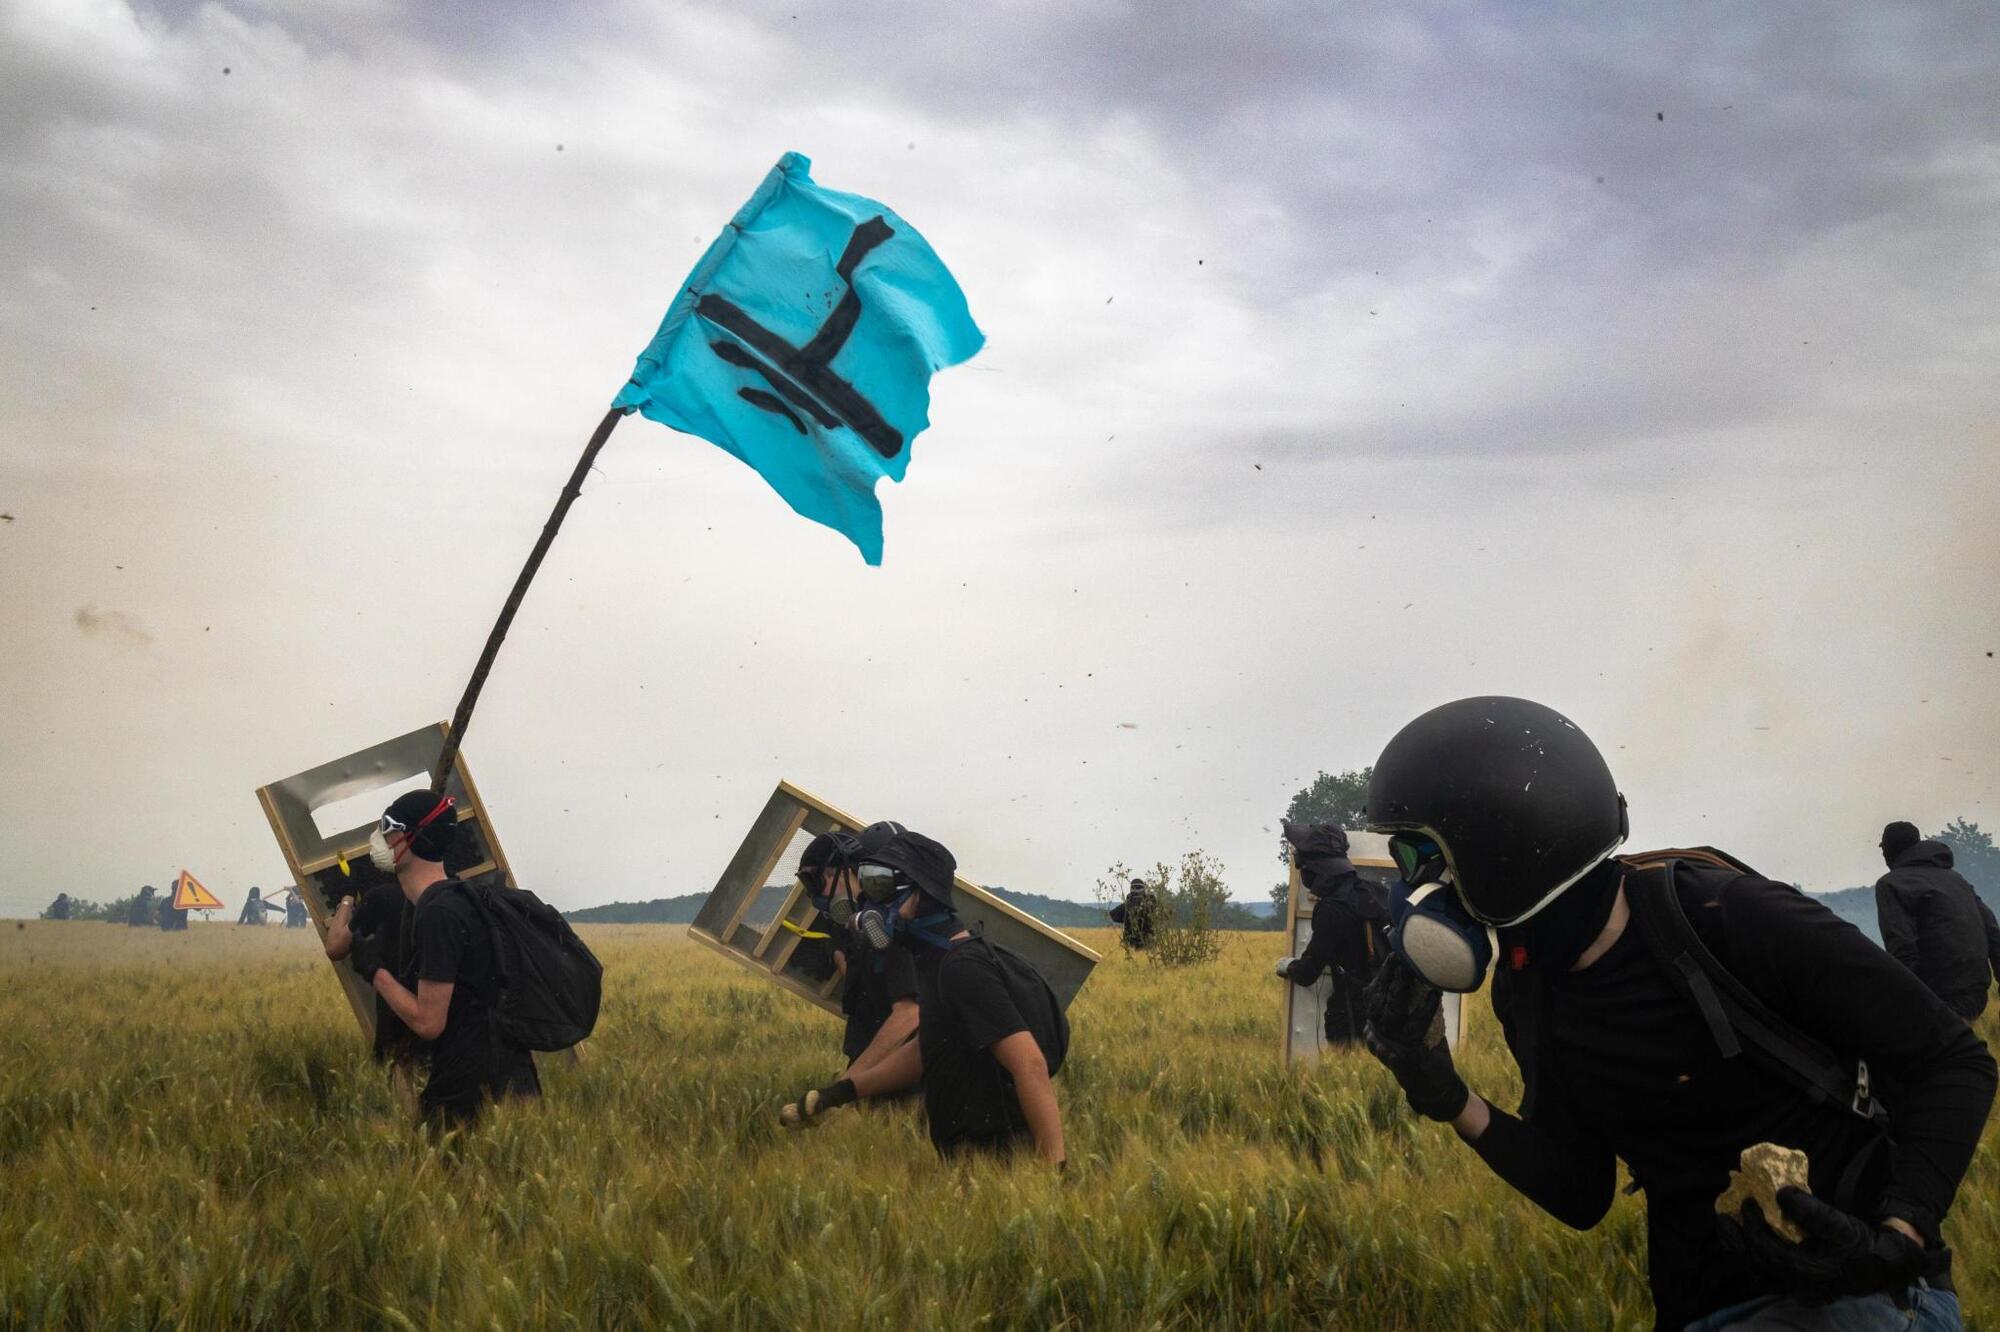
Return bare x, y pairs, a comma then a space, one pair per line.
1638, 362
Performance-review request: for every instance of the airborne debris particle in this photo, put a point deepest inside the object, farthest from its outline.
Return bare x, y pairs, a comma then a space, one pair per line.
225, 69
1659, 115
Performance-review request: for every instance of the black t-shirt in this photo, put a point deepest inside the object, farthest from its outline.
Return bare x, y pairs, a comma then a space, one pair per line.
1626, 1068
876, 979
468, 1060
974, 996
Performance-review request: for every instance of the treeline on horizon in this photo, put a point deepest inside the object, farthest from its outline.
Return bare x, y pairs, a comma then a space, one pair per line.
1337, 798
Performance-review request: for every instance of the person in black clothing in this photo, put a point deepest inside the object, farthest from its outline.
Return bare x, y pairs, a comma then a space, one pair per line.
1934, 922
295, 908
878, 998
1503, 815
1347, 920
59, 909
141, 912
990, 1035
172, 918
1138, 914
253, 909
379, 919
454, 967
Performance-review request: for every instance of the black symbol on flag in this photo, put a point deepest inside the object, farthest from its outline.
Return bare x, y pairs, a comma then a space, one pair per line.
802, 377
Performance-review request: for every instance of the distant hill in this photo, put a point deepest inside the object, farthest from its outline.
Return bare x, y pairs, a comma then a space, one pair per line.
1854, 905
1857, 905
660, 911
1056, 911
680, 910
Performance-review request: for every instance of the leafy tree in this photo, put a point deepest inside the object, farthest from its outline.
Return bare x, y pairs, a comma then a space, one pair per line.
1193, 908
1972, 852
1339, 798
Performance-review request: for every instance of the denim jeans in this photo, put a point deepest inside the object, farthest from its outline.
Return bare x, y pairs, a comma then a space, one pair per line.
1929, 1311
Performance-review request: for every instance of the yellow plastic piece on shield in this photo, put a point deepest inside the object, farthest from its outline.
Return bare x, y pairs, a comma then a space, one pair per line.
345, 873
803, 932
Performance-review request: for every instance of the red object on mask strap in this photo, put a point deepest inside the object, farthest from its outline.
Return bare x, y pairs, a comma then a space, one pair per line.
1517, 957
410, 837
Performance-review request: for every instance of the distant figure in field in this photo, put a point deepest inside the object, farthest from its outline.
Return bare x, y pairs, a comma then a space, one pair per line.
59, 909
1138, 913
172, 918
142, 911
456, 970
1348, 918
295, 909
253, 909
1933, 921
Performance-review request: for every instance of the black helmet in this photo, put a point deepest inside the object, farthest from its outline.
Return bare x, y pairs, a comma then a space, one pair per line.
1517, 798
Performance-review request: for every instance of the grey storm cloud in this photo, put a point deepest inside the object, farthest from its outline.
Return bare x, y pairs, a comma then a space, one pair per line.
1341, 361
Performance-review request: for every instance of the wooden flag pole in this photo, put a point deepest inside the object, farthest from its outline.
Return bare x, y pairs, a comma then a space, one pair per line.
463, 717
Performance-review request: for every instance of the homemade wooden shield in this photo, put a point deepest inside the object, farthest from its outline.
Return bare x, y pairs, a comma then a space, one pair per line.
1305, 1006
759, 916
328, 863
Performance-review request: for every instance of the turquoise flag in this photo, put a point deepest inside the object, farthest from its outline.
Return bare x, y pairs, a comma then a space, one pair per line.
804, 343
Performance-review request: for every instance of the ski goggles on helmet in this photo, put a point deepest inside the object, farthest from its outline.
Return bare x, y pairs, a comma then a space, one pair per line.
1419, 859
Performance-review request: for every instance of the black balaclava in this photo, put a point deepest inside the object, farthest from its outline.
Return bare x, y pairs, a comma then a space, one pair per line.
1320, 851
1556, 936
829, 850
437, 839
1897, 838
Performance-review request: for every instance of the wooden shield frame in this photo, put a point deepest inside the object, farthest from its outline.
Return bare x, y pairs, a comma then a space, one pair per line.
326, 867
758, 914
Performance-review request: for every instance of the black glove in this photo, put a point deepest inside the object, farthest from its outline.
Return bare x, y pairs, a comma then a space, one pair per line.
367, 955
1405, 1030
1840, 1255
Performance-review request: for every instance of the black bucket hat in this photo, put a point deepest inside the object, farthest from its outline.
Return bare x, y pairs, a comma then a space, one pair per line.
926, 864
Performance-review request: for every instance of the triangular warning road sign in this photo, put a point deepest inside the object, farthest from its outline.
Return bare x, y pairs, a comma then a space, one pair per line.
191, 896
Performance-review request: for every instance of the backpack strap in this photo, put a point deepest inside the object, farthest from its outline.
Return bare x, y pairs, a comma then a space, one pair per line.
495, 991
1736, 1018
926, 928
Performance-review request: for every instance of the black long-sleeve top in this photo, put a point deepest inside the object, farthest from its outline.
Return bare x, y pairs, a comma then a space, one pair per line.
1341, 940
1626, 1069
1934, 923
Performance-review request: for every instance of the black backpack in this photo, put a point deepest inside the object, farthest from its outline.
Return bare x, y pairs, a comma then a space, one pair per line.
546, 982
1737, 1019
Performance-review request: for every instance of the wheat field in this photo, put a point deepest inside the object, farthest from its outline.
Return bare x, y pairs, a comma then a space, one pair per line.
191, 1136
